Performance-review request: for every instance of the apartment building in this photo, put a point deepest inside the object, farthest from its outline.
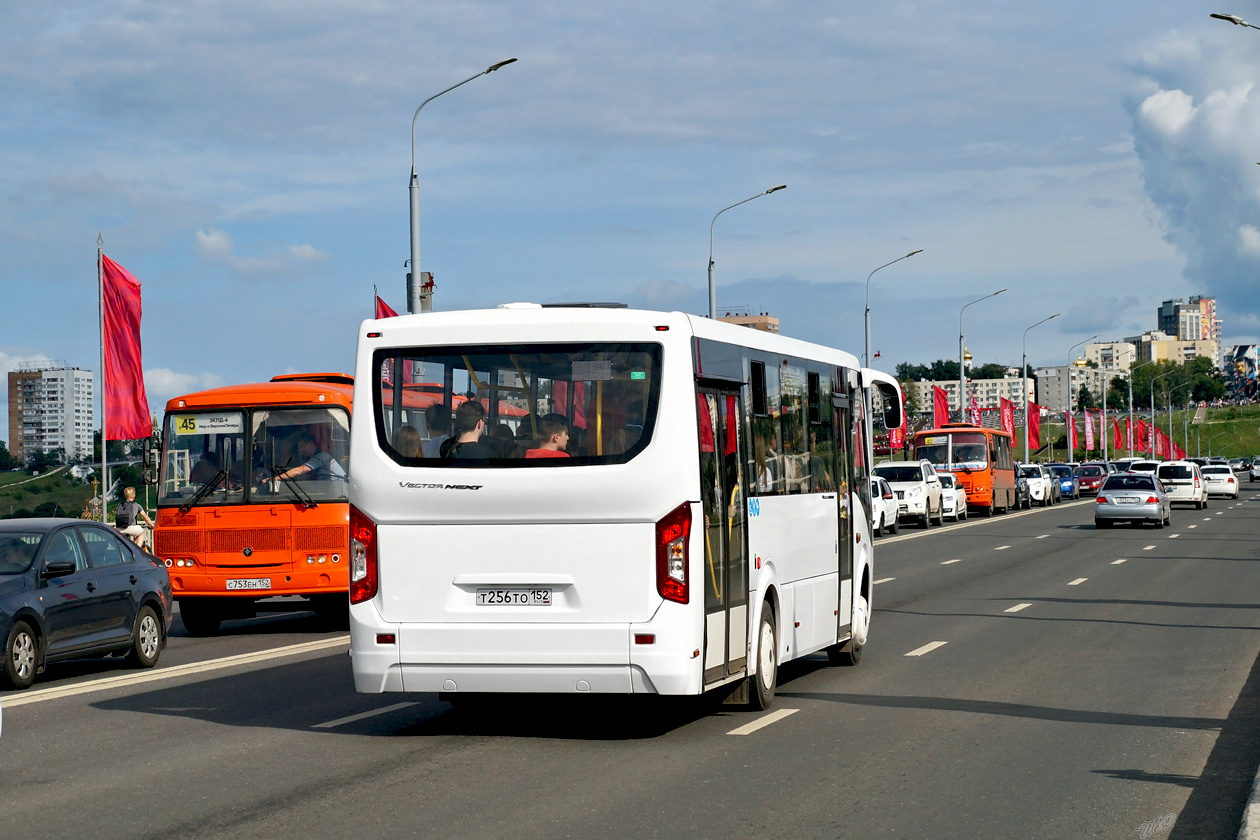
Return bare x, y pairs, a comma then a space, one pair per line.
51, 407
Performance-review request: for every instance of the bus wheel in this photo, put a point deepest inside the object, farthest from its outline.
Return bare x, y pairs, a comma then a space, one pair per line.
850, 653
200, 616
766, 678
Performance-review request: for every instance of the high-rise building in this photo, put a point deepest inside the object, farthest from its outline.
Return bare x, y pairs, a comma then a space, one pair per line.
1193, 321
50, 408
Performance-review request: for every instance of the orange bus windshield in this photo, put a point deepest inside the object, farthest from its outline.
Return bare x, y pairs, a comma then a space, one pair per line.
963, 451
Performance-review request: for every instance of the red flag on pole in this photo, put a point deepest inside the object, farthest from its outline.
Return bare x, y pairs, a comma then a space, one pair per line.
384, 310
940, 406
125, 405
1139, 436
897, 437
1117, 438
1008, 415
975, 411
1033, 420
1089, 431
1072, 441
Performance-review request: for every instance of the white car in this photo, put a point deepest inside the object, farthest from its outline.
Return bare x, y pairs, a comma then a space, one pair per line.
1040, 484
1255, 469
1183, 482
918, 490
1220, 480
953, 497
1148, 467
883, 507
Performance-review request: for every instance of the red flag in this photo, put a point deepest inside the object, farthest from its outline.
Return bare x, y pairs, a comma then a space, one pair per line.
383, 309
1158, 437
940, 406
975, 411
126, 406
1008, 415
1089, 431
1072, 442
1033, 421
1139, 436
1117, 440
897, 437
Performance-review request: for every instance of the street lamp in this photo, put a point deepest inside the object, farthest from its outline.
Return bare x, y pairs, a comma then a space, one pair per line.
1150, 444
1234, 19
1172, 391
712, 287
1067, 371
1129, 374
1212, 438
866, 359
1023, 377
415, 293
962, 351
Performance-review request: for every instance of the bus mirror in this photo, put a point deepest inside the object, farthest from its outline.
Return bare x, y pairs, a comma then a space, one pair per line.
149, 476
146, 454
892, 404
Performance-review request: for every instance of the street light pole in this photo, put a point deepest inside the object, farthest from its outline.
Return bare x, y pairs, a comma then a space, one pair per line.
1234, 19
866, 358
1150, 444
1067, 371
1212, 438
962, 363
415, 293
712, 287
1129, 373
1172, 391
1023, 377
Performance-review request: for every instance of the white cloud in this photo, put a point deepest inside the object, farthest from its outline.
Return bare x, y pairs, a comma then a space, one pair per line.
1167, 111
218, 246
162, 384
1249, 240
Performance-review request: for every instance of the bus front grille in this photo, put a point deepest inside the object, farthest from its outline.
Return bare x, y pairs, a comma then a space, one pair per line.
176, 542
256, 539
324, 538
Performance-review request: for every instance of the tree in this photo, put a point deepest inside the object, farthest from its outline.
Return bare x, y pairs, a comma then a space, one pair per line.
912, 397
1118, 392
128, 475
42, 460
990, 371
7, 461
1085, 399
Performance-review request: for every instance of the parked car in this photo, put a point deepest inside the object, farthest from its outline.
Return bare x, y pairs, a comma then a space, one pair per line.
1221, 481
1132, 497
917, 487
1023, 501
1067, 480
1089, 477
72, 588
1040, 483
1183, 482
883, 507
953, 497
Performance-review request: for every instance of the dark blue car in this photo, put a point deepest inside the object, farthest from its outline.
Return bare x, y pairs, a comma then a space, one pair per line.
70, 588
1067, 480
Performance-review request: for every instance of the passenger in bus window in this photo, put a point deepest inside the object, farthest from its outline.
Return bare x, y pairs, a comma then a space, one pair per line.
502, 440
437, 419
407, 441
470, 425
553, 438
205, 469
316, 464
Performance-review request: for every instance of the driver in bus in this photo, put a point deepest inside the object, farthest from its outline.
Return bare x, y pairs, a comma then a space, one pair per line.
969, 452
316, 465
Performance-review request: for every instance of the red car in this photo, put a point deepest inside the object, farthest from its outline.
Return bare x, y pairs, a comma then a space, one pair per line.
1089, 477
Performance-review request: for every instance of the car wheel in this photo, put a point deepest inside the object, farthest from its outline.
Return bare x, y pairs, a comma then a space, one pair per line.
766, 678
146, 640
21, 655
200, 616
925, 521
892, 529
1168, 518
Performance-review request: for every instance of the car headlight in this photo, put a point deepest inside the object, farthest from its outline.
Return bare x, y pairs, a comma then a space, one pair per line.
914, 491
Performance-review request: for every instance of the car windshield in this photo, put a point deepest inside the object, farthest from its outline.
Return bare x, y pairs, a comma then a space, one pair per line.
1144, 466
1167, 471
1030, 472
1216, 470
17, 551
1089, 471
969, 450
947, 481
1129, 482
1061, 471
891, 472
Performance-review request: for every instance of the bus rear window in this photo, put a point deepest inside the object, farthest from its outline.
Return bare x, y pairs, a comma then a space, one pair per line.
536, 405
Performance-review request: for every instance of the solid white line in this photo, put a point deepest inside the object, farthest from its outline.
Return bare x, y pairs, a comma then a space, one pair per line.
928, 648
1118, 562
1018, 607
761, 722
948, 562
173, 672
1078, 581
1002, 548
361, 716
882, 580
1149, 548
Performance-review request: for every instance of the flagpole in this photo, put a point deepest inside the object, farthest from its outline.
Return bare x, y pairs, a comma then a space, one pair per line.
100, 290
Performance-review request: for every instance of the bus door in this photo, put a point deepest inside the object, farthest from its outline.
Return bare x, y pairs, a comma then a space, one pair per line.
725, 535
853, 498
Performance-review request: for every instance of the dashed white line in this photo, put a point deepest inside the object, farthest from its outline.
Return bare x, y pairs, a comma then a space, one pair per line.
882, 580
361, 716
1043, 536
1002, 548
1218, 513
1173, 536
762, 722
955, 560
1192, 526
1018, 607
1078, 581
1118, 562
928, 648
1207, 519
1149, 548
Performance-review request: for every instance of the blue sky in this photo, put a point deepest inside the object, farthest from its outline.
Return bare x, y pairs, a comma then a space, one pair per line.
248, 162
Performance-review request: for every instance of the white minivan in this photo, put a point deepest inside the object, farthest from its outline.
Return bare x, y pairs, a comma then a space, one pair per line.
1183, 482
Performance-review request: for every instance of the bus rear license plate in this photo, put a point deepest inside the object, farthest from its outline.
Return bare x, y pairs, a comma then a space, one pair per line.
513, 597
249, 583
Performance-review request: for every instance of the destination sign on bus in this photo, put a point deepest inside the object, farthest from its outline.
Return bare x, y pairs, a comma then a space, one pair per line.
209, 424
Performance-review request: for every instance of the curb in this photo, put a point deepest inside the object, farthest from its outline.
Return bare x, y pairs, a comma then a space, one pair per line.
1250, 828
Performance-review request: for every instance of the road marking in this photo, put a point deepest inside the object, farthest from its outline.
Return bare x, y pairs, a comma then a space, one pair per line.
1192, 526
361, 716
1018, 607
1002, 548
882, 580
1118, 562
1078, 581
1043, 536
1207, 519
1174, 536
1218, 513
955, 560
174, 672
928, 648
761, 722
1149, 548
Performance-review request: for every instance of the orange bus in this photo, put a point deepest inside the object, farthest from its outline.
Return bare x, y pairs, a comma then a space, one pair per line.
233, 527
982, 459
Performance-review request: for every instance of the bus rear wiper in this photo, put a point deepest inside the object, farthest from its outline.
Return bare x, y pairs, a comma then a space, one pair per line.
203, 492
306, 501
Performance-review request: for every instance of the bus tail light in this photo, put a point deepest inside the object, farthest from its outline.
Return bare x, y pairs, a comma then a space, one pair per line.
672, 535
363, 577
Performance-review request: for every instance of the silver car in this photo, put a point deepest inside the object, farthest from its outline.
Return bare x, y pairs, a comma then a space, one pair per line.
1132, 497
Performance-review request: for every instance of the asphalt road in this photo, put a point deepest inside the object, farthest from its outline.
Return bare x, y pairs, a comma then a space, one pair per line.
1027, 677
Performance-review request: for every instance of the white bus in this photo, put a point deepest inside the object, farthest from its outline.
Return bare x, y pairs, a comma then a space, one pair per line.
698, 531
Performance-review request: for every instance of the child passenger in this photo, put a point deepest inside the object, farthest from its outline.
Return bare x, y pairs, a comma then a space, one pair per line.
553, 437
